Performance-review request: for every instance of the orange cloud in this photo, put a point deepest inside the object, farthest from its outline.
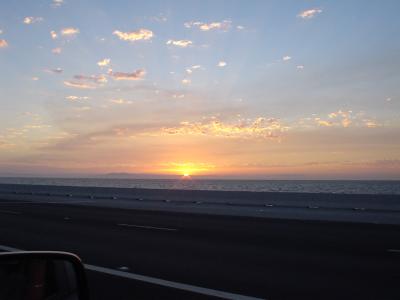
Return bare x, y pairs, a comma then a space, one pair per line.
53, 34
69, 31
141, 34
136, 75
3, 43
120, 101
245, 129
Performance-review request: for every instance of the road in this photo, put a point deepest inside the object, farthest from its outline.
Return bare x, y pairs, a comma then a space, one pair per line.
243, 256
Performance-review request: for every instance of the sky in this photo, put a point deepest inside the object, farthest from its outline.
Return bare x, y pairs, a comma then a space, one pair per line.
224, 89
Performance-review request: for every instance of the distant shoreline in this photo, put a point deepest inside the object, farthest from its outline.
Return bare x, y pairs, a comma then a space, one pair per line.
377, 187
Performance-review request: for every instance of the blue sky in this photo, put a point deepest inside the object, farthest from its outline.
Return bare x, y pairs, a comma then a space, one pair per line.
200, 77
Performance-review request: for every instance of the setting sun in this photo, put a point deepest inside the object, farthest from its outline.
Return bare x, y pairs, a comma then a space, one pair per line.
187, 169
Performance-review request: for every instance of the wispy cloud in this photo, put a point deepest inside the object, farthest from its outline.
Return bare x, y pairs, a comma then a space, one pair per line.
91, 78
180, 43
190, 70
224, 25
141, 34
342, 118
104, 62
54, 71
53, 34
120, 101
309, 13
57, 50
186, 81
159, 18
76, 98
243, 128
221, 64
286, 58
57, 3
3, 43
136, 75
69, 32
78, 84
300, 67
32, 20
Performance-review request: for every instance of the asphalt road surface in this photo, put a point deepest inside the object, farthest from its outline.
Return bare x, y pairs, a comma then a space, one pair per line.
201, 255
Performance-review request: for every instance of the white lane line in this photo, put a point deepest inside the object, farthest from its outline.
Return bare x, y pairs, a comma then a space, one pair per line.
158, 281
393, 250
171, 284
147, 227
11, 212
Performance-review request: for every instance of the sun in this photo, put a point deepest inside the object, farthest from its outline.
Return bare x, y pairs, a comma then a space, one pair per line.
186, 176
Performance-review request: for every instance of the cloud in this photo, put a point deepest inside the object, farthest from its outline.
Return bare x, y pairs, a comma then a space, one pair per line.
53, 34
76, 98
159, 18
120, 101
180, 43
221, 64
3, 43
310, 13
190, 70
57, 50
136, 75
186, 81
300, 67
286, 58
240, 27
78, 84
69, 31
57, 3
346, 119
54, 71
34, 78
103, 63
323, 122
224, 25
92, 78
32, 20
141, 34
264, 128
1, 31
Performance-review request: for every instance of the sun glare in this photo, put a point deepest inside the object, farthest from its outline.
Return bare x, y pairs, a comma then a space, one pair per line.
187, 169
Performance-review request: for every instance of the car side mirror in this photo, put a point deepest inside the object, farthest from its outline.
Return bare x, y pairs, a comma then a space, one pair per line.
42, 275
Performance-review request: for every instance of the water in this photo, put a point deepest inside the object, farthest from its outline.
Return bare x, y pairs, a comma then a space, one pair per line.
299, 186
